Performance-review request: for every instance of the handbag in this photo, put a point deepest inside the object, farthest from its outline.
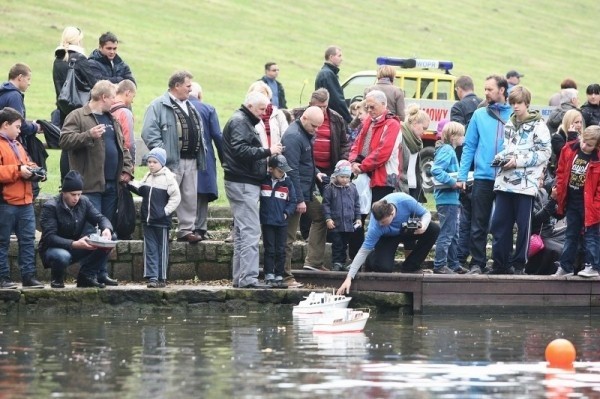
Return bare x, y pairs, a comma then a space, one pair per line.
70, 97
536, 244
362, 183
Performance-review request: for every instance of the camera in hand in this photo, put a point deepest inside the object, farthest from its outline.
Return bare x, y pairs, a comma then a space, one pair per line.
498, 163
37, 174
412, 224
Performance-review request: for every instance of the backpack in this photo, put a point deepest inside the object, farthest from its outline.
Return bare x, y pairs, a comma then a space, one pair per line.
125, 216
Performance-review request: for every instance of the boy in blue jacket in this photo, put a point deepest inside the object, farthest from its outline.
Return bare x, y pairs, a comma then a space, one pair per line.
161, 197
341, 207
446, 199
277, 204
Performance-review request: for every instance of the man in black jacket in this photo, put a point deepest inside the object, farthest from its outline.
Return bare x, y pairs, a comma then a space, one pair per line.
462, 110
63, 222
328, 79
298, 143
106, 64
245, 166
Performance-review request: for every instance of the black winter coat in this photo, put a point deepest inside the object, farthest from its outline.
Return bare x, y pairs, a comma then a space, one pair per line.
339, 146
342, 205
83, 72
103, 69
328, 79
591, 114
244, 157
298, 152
61, 225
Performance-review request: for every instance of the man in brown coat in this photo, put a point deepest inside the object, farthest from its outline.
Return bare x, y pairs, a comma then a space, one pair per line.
95, 145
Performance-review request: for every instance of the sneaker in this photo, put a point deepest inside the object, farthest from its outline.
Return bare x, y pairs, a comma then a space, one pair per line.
31, 282
475, 270
292, 283
589, 271
443, 270
316, 268
519, 272
152, 284
460, 270
278, 282
7, 284
338, 267
560, 272
162, 284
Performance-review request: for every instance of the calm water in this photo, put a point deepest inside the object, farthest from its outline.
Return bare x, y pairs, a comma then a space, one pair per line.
273, 355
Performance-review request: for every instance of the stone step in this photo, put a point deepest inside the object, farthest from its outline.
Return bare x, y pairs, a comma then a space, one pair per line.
207, 260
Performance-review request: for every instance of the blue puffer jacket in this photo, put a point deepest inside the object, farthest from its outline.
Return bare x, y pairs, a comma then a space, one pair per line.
342, 205
277, 198
484, 139
445, 162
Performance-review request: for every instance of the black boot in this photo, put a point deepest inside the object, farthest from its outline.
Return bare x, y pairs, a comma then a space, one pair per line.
57, 278
107, 280
84, 281
30, 281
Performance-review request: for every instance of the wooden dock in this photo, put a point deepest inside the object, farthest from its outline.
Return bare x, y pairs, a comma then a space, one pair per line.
433, 293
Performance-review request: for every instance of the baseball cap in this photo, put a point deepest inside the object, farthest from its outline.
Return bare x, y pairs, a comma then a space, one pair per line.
512, 73
279, 161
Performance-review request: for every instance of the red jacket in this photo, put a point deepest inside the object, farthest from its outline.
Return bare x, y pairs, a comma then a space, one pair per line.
384, 160
15, 190
591, 190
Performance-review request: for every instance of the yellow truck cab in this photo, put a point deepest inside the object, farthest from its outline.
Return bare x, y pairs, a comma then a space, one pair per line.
425, 82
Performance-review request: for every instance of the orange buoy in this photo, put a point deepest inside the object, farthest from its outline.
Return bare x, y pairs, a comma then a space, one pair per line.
560, 353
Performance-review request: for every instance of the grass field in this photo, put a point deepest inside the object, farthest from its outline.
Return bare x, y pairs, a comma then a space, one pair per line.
226, 43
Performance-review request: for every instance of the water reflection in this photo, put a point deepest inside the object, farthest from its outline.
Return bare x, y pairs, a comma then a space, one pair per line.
274, 355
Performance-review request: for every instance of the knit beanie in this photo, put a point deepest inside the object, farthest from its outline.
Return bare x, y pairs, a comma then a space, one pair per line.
342, 168
72, 182
159, 154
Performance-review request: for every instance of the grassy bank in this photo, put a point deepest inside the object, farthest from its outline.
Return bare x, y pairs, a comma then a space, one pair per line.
226, 43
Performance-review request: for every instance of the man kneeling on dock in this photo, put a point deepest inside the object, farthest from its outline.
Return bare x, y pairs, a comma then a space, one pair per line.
396, 218
63, 220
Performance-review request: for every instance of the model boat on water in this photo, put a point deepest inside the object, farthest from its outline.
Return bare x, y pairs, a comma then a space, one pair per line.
342, 321
320, 302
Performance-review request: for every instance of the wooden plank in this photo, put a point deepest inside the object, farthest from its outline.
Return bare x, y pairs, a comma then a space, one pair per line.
484, 286
505, 300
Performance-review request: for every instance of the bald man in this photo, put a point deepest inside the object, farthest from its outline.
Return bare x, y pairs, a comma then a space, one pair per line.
298, 150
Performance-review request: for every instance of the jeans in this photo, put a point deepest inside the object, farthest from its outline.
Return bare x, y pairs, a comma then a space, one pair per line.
21, 220
339, 245
58, 259
464, 228
481, 210
106, 204
511, 208
381, 259
274, 242
446, 247
573, 234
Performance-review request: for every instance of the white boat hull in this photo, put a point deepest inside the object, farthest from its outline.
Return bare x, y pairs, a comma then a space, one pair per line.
346, 321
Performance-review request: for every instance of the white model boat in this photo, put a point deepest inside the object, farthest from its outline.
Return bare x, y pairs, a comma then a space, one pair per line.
342, 321
320, 302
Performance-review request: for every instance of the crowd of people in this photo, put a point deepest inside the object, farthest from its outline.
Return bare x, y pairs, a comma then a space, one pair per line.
497, 165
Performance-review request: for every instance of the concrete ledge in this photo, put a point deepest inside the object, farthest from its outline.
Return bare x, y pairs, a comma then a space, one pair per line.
138, 300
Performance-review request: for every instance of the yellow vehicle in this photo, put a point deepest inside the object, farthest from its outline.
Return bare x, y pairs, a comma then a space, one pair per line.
426, 82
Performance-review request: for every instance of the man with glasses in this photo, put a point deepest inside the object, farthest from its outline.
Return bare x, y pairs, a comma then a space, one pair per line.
270, 78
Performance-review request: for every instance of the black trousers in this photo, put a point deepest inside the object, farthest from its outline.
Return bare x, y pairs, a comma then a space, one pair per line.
381, 259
